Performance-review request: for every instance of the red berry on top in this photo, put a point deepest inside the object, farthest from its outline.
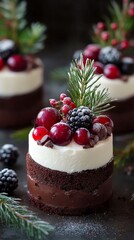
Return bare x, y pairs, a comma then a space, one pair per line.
131, 12
111, 71
72, 105
91, 52
53, 102
105, 36
65, 109
61, 134
62, 96
82, 136
39, 133
17, 63
99, 67
103, 119
114, 25
101, 25
67, 100
114, 42
124, 44
1, 64
47, 117
100, 130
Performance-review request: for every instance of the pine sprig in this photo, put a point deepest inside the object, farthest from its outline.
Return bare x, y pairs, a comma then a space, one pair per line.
13, 214
84, 89
13, 25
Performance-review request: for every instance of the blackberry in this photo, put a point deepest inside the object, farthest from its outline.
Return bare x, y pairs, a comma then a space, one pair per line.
127, 65
9, 154
8, 180
79, 117
7, 49
109, 55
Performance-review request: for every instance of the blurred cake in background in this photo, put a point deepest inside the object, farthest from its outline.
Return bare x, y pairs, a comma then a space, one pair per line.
113, 55
21, 71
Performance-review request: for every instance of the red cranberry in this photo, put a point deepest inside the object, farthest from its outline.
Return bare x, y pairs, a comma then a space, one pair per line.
53, 102
111, 71
39, 133
105, 36
101, 25
114, 26
62, 96
114, 42
17, 63
99, 67
47, 117
91, 52
1, 64
72, 105
131, 12
61, 134
100, 130
65, 109
67, 100
124, 44
103, 119
82, 136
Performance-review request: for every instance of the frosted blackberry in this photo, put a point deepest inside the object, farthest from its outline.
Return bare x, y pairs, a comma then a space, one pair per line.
9, 154
7, 48
79, 117
8, 180
109, 55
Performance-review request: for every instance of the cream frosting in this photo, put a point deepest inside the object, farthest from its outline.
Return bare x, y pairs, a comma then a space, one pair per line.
17, 83
72, 157
118, 89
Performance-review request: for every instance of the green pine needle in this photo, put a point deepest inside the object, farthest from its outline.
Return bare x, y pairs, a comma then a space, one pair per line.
13, 25
13, 214
84, 90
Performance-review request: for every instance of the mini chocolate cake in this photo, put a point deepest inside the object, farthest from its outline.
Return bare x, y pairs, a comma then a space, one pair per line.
70, 155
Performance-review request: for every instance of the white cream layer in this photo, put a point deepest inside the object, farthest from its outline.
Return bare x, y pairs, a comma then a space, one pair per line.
118, 89
17, 83
72, 157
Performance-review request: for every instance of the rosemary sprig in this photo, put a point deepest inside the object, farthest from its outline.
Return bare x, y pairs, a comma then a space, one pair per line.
13, 214
84, 87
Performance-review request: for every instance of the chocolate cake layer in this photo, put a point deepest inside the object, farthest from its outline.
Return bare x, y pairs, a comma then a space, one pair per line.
86, 180
73, 202
69, 194
123, 115
20, 110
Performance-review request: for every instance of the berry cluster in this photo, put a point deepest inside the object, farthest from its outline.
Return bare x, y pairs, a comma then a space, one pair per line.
8, 180
109, 61
10, 57
9, 154
79, 124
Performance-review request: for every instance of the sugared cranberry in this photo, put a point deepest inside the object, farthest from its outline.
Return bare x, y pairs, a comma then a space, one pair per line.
114, 25
39, 133
114, 42
99, 67
131, 12
61, 134
100, 130
72, 105
53, 102
62, 96
67, 100
82, 136
111, 71
124, 44
17, 63
101, 25
47, 117
103, 119
1, 64
91, 52
105, 36
65, 109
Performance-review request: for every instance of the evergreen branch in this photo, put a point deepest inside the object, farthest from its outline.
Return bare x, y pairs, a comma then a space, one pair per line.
13, 214
83, 87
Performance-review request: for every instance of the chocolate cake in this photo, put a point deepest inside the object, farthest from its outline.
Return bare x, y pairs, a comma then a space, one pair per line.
70, 155
21, 71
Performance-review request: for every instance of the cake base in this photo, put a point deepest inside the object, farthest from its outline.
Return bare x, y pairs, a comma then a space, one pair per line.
21, 110
122, 115
69, 194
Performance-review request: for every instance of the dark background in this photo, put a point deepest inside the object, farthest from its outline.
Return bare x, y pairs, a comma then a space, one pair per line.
67, 21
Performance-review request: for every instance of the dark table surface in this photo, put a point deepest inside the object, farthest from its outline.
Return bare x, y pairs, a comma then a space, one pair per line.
116, 222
